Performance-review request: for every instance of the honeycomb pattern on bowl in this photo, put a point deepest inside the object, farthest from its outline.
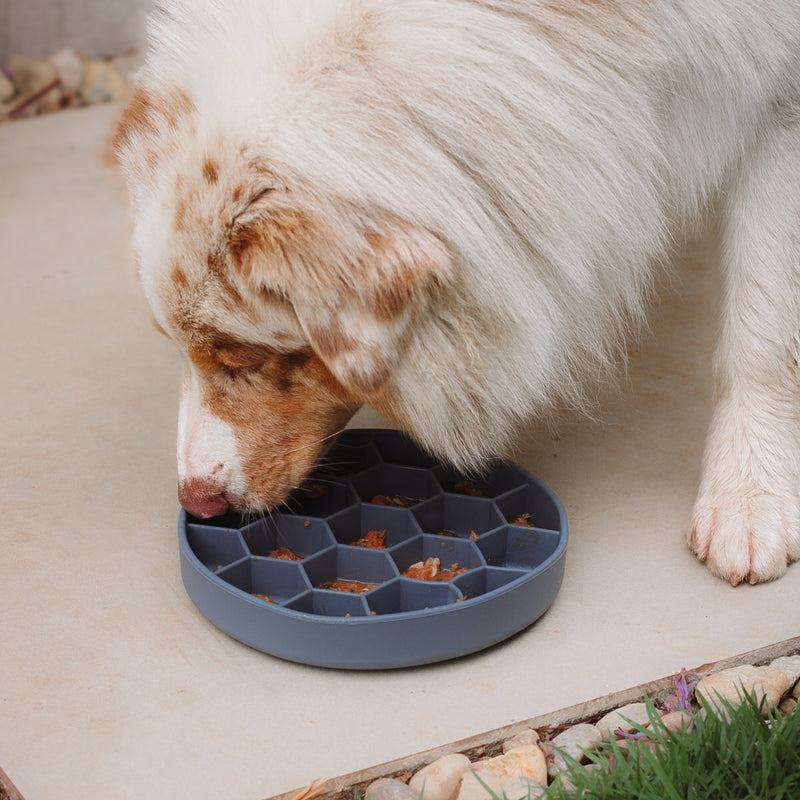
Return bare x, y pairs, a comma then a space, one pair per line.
382, 542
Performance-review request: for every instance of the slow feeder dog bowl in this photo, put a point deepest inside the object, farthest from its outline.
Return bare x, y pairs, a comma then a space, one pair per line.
497, 545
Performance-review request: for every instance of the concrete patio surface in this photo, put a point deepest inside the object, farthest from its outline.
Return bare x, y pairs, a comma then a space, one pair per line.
112, 684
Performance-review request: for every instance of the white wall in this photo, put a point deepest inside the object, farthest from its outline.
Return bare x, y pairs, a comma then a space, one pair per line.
99, 27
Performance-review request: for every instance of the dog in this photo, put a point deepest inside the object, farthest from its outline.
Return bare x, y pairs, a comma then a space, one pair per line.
455, 212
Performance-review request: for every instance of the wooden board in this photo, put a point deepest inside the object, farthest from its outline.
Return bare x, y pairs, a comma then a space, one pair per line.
7, 789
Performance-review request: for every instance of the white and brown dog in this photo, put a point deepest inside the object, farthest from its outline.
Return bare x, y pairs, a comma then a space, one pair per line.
453, 210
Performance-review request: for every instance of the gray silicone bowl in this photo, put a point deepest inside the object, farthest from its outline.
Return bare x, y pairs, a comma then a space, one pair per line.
506, 533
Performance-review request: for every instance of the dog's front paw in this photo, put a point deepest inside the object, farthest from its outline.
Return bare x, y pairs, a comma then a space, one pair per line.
746, 537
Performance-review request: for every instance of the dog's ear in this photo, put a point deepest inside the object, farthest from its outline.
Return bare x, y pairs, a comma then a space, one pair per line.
361, 330
356, 288
142, 132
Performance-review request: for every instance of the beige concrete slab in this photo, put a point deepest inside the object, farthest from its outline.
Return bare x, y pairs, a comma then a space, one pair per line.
112, 684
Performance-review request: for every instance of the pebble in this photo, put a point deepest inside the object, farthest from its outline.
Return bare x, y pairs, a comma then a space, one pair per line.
70, 65
629, 744
767, 683
31, 78
677, 721
573, 742
528, 736
624, 719
102, 82
527, 761
30, 86
390, 789
491, 787
30, 75
441, 779
790, 666
523, 770
787, 705
564, 779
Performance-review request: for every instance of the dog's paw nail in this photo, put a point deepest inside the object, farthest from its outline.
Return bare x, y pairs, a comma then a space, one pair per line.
747, 538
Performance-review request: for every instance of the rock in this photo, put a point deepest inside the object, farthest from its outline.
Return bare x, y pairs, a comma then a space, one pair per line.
573, 742
527, 761
565, 778
766, 683
390, 789
441, 779
787, 705
678, 721
31, 104
70, 66
103, 83
790, 665
480, 786
528, 736
7, 88
638, 744
37, 85
30, 75
623, 719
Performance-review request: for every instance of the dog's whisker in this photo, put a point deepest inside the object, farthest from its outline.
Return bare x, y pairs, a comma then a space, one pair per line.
315, 443
292, 504
324, 480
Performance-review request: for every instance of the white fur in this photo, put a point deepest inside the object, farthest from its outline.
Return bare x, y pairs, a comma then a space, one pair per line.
207, 450
556, 148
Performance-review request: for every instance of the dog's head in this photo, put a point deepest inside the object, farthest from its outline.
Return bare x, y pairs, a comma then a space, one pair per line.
291, 307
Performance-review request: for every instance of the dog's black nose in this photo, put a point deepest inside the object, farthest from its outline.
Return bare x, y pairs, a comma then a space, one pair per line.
202, 498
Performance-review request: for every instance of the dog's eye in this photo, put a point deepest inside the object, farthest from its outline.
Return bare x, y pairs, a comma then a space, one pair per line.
252, 208
268, 190
239, 370
231, 356
244, 357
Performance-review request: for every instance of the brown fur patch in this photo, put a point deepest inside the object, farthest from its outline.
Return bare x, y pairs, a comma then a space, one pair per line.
179, 278
137, 118
283, 415
393, 294
371, 380
282, 229
210, 170
330, 340
147, 116
212, 351
218, 267
151, 160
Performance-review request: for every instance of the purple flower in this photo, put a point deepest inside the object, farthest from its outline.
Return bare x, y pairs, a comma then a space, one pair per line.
683, 691
621, 734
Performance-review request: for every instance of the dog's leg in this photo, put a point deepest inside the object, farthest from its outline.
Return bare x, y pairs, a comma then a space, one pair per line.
746, 520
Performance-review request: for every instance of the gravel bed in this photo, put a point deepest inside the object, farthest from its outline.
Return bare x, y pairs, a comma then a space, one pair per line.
68, 79
520, 760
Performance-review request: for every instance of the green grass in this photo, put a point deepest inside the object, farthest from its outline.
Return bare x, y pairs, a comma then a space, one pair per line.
748, 756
